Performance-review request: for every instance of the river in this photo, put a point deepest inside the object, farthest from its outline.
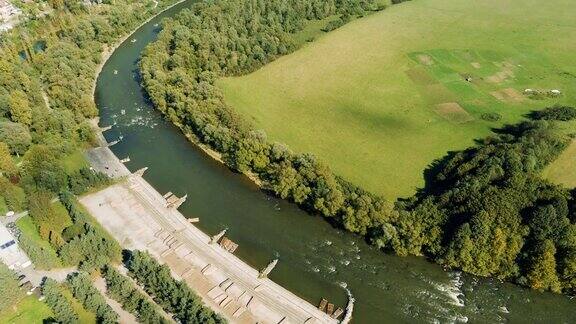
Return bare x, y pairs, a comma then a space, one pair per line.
316, 260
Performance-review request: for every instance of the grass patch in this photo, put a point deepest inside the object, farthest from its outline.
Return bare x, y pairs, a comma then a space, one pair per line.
562, 171
394, 67
74, 162
28, 311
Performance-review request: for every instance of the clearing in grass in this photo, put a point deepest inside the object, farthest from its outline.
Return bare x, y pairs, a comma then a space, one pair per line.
381, 98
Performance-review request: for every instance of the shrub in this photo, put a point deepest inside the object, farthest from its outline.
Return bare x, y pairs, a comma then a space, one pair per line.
491, 117
90, 251
334, 24
13, 195
85, 179
88, 246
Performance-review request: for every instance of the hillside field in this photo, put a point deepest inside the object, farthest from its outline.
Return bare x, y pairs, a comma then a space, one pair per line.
382, 97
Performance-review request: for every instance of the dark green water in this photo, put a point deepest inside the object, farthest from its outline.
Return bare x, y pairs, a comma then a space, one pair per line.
315, 259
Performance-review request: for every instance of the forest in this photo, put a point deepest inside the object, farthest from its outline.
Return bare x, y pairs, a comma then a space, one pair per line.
47, 70
484, 210
48, 65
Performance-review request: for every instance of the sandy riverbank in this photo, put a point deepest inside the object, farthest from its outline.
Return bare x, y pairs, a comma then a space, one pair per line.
137, 216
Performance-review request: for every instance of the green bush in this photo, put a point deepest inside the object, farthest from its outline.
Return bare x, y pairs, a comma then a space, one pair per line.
16, 136
491, 117
334, 24
13, 195
89, 251
88, 245
85, 179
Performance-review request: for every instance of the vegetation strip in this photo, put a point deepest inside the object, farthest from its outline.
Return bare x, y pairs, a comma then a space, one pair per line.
123, 291
484, 226
89, 296
173, 296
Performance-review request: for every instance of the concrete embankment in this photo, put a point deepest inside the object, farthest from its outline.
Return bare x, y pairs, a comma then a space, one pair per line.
137, 216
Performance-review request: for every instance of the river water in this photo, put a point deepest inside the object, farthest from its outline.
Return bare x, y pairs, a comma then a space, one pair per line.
316, 260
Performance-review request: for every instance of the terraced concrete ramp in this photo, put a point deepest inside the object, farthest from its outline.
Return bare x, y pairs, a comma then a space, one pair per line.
137, 216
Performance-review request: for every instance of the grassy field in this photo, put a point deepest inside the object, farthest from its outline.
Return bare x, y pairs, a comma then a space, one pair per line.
382, 97
28, 311
562, 171
74, 162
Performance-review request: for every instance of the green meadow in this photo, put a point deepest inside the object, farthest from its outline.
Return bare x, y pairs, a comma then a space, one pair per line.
384, 96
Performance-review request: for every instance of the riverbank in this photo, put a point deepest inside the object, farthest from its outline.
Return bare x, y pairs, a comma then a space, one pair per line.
136, 216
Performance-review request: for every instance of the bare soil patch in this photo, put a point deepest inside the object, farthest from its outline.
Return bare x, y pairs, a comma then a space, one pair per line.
453, 112
507, 72
476, 65
508, 95
425, 59
438, 93
420, 76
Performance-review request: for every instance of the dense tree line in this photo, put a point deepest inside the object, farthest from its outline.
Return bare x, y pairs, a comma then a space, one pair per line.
58, 302
484, 210
84, 291
173, 296
561, 113
123, 290
9, 288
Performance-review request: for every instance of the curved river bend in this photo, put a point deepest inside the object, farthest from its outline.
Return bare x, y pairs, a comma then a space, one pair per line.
316, 260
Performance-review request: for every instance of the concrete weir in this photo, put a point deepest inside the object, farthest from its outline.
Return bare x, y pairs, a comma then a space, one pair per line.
139, 218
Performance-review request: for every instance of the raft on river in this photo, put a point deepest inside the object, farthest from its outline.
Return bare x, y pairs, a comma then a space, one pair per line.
328, 308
